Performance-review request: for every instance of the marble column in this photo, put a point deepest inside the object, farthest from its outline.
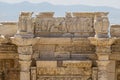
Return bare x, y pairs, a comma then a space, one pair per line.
103, 51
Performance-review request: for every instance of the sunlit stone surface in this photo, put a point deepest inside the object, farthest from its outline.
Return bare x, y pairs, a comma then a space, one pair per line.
75, 47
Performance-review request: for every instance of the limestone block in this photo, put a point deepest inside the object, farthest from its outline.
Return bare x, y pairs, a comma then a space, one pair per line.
111, 76
64, 47
24, 75
25, 65
82, 41
111, 67
115, 31
80, 14
25, 57
75, 63
46, 55
47, 64
54, 40
62, 55
45, 15
80, 56
44, 47
9, 56
115, 56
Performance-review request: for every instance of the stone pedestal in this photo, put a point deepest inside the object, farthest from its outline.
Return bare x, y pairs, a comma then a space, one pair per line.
103, 51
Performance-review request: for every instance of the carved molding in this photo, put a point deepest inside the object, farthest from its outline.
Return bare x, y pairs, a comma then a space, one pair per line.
77, 63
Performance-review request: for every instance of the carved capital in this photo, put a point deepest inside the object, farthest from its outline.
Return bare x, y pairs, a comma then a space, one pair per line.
23, 41
102, 41
25, 50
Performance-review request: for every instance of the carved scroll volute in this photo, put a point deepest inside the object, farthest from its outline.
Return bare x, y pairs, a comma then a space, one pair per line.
25, 22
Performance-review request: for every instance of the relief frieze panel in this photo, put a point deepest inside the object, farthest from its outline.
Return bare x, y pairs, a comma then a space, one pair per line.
63, 26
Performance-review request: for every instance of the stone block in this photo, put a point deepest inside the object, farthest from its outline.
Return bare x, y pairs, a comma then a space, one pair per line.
54, 40
62, 55
46, 64
115, 31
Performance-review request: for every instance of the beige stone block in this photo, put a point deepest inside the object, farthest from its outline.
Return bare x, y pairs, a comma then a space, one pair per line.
111, 76
82, 41
62, 55
24, 75
111, 67
76, 63
25, 57
64, 47
54, 40
46, 63
45, 47
9, 56
115, 30
46, 54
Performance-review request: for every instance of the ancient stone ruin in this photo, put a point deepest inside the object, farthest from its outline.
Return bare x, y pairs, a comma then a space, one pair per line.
79, 46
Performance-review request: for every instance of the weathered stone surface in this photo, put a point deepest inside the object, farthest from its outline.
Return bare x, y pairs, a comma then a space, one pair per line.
115, 30
60, 48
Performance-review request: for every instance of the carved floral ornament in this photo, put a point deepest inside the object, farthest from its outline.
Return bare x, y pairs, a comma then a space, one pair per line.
102, 41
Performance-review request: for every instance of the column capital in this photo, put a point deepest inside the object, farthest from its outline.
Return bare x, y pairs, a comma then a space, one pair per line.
25, 50
19, 41
102, 41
